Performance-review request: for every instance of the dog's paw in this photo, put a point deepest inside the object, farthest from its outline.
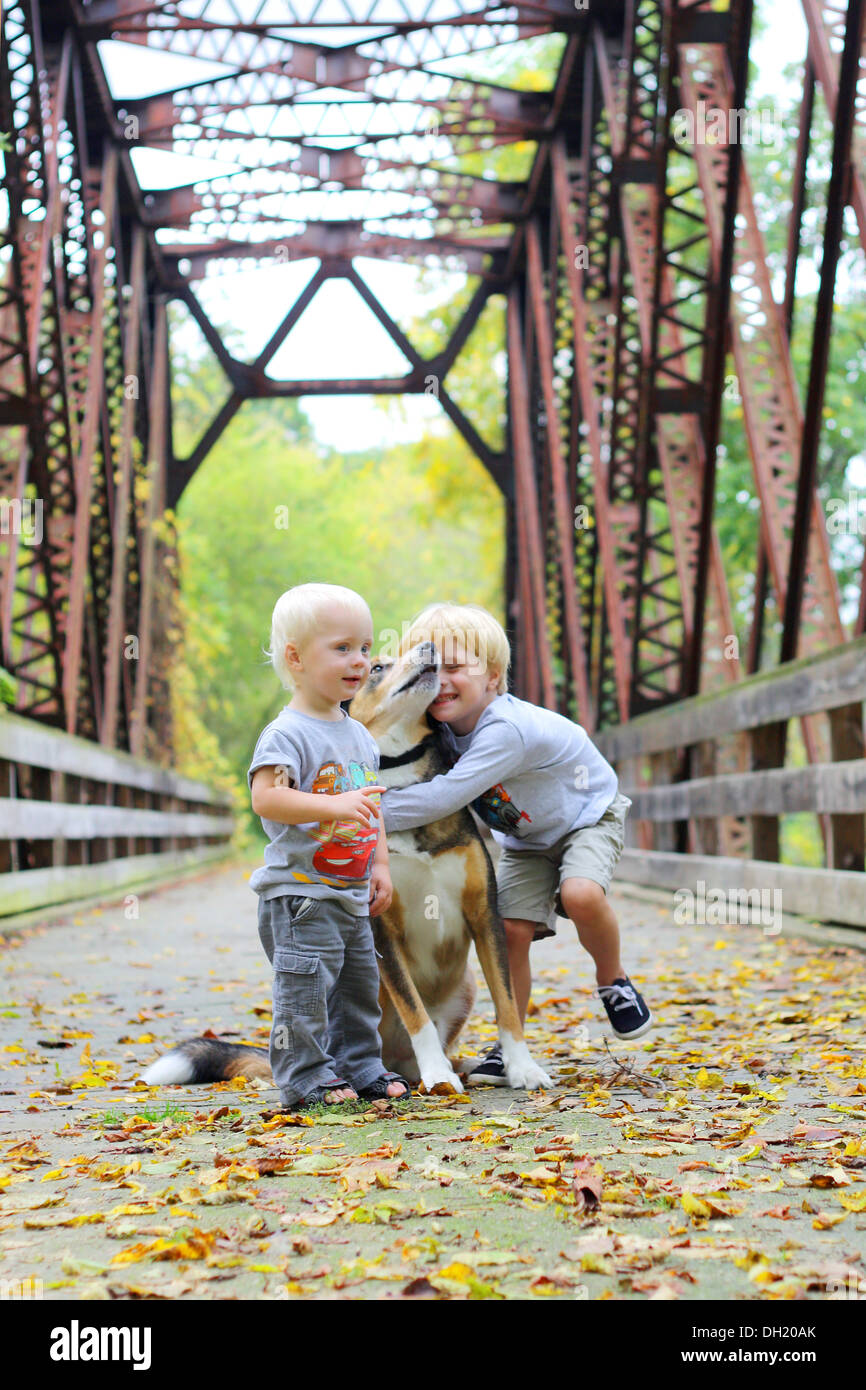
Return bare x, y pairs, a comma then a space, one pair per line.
527, 1076
440, 1082
521, 1073
436, 1071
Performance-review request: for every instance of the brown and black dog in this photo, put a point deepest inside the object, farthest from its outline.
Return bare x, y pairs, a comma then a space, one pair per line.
444, 901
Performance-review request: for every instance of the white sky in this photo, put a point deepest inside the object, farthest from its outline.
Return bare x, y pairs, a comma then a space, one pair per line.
338, 335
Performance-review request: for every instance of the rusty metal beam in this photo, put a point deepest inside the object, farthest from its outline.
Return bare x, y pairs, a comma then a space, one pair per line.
714, 365
795, 224
209, 333
657, 446
89, 438
614, 366
123, 496
771, 404
591, 411
444, 360
341, 242
840, 183
493, 461
527, 504
826, 22
183, 470
309, 66
154, 506
798, 192
564, 521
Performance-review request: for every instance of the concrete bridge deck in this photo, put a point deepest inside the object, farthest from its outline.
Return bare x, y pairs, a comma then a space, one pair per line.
733, 1166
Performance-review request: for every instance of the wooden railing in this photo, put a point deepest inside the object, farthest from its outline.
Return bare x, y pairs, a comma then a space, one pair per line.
79, 820
673, 811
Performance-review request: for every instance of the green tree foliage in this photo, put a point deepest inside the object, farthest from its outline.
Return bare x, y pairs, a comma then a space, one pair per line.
403, 525
8, 687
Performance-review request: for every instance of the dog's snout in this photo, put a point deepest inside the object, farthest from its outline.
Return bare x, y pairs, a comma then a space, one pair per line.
427, 652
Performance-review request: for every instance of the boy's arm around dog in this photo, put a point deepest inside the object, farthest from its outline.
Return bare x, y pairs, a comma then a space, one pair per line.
498, 751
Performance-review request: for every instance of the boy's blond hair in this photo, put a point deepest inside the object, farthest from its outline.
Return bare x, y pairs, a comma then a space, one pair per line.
476, 630
297, 614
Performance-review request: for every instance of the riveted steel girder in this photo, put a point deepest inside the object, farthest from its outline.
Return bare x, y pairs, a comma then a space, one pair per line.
630, 262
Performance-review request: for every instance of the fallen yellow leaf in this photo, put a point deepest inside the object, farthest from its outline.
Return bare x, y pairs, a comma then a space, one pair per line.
825, 1219
694, 1206
460, 1272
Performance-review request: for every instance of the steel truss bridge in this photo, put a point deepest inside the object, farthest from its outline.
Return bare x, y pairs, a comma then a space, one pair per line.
633, 271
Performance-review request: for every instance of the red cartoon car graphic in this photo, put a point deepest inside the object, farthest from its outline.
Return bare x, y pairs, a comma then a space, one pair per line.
345, 847
347, 853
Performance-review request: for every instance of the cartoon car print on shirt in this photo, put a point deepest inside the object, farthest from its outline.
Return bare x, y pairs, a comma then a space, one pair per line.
497, 810
345, 846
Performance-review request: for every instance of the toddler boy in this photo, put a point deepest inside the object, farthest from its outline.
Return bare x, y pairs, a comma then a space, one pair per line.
313, 782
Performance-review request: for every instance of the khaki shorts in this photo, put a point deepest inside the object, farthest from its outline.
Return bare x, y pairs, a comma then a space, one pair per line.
528, 881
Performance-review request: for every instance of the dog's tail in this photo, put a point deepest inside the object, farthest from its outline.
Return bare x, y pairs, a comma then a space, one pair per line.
197, 1061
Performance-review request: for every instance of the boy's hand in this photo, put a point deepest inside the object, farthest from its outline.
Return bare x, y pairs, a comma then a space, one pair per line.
358, 805
381, 889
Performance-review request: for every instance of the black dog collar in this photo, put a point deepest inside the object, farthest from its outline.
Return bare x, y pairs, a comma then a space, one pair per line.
410, 755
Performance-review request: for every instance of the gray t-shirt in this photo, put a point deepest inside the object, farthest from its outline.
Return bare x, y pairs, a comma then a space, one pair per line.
318, 859
531, 774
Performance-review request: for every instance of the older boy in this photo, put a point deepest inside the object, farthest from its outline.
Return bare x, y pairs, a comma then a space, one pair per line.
550, 799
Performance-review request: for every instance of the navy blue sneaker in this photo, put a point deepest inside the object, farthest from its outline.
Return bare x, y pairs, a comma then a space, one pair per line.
628, 1014
490, 1071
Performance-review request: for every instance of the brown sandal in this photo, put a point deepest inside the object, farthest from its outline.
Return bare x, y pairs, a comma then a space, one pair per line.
318, 1094
378, 1089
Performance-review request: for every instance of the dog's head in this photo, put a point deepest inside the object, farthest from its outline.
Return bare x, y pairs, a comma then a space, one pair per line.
393, 700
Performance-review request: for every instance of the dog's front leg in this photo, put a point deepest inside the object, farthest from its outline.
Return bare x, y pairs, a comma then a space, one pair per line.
520, 1070
433, 1065
488, 934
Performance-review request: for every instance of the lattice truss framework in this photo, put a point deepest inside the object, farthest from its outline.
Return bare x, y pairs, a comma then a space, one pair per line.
351, 130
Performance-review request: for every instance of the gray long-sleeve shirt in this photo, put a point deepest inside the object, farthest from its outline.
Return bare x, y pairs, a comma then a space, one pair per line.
530, 773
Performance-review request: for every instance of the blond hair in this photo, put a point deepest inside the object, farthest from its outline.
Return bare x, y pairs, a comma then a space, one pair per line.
297, 614
476, 630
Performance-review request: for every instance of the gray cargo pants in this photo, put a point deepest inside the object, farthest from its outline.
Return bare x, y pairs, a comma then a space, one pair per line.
326, 994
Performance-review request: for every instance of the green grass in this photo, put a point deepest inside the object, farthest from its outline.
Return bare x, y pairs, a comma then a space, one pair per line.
153, 1114
346, 1107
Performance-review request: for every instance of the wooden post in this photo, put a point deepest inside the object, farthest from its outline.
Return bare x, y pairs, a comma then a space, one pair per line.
58, 794
848, 840
662, 769
768, 750
8, 848
74, 852
41, 851
706, 831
